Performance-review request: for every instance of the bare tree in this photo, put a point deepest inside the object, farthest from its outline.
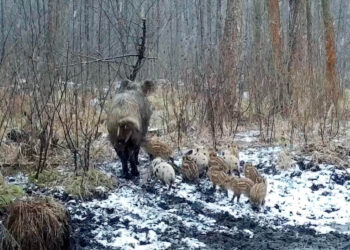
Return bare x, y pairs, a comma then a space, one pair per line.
277, 45
297, 43
332, 88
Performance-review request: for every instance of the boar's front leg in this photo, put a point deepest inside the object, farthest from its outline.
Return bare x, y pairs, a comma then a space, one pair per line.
124, 157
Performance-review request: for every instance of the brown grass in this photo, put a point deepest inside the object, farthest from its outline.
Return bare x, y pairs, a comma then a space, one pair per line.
36, 225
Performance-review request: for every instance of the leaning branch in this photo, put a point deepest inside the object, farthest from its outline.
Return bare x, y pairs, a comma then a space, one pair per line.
141, 52
105, 60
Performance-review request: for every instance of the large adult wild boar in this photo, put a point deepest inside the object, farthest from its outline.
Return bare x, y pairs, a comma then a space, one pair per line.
127, 122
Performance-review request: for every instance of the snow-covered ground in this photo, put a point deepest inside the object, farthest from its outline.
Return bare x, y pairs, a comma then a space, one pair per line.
303, 210
151, 217
247, 136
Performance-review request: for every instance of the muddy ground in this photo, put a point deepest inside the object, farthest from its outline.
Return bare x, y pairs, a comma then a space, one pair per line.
307, 207
193, 217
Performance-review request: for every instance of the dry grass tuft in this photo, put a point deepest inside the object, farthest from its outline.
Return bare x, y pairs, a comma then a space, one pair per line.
36, 225
89, 183
14, 154
334, 154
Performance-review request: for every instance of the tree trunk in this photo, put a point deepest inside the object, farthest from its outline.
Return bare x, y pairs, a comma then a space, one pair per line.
277, 44
209, 21
298, 45
309, 34
2, 20
218, 21
231, 43
332, 89
52, 22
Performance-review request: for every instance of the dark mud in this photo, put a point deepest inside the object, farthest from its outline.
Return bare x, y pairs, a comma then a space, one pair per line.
228, 232
192, 215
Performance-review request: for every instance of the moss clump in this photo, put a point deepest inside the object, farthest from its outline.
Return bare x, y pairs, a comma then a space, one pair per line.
88, 184
8, 193
82, 185
36, 224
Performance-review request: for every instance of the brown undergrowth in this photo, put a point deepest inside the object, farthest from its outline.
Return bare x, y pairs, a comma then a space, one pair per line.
36, 224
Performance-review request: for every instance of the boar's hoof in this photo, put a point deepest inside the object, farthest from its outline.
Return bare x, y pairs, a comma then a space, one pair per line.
135, 172
127, 176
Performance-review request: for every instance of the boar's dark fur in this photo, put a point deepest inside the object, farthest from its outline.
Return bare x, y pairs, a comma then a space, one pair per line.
128, 121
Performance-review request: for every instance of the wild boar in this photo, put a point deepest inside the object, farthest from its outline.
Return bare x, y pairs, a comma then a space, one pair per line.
189, 169
252, 173
258, 194
217, 177
232, 161
239, 186
163, 171
233, 149
218, 162
201, 158
127, 122
156, 148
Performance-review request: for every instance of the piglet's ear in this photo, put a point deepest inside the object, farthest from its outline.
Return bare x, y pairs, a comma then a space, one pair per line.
148, 87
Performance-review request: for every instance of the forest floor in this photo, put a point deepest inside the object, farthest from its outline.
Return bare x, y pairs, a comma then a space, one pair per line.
307, 207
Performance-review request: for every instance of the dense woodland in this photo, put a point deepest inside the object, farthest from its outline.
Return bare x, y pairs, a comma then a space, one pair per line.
253, 88
280, 65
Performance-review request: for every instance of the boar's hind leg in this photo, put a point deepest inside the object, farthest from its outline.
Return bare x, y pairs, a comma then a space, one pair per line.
134, 162
124, 156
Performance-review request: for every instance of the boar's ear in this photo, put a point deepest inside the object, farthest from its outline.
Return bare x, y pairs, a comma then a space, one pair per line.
124, 83
148, 87
189, 152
